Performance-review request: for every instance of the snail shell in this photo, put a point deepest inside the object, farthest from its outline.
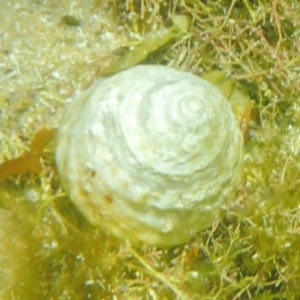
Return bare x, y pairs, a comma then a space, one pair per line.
150, 154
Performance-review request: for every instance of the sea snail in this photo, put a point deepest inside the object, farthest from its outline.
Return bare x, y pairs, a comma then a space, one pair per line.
150, 154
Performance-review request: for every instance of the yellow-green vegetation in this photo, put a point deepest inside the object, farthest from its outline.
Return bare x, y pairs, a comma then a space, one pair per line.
48, 251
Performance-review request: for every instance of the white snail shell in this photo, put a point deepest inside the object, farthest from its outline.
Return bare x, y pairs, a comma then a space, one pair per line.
150, 154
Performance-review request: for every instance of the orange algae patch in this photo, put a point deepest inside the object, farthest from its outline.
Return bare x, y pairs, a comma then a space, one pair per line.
28, 161
248, 115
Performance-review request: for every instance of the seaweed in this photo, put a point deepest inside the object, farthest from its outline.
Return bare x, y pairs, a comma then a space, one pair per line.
30, 160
